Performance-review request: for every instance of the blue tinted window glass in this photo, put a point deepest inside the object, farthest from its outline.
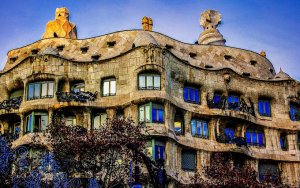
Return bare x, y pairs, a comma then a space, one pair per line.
268, 108
236, 99
162, 151
30, 91
199, 127
282, 142
156, 152
260, 139
230, 100
205, 132
185, 94
154, 115
248, 137
192, 94
254, 138
160, 115
217, 99
193, 127
197, 99
260, 107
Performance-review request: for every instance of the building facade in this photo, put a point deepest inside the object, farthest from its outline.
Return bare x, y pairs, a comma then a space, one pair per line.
196, 99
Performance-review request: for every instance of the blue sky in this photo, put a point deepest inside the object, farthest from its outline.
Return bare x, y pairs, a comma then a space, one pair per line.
269, 25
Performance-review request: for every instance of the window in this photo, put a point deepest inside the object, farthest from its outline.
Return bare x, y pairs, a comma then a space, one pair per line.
70, 120
188, 160
264, 107
151, 113
268, 170
191, 94
99, 119
199, 128
255, 137
15, 129
179, 123
283, 141
233, 102
159, 150
36, 122
16, 93
229, 134
78, 87
39, 90
294, 112
109, 87
149, 82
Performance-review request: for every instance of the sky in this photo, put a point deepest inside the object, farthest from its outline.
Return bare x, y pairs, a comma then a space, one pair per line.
269, 25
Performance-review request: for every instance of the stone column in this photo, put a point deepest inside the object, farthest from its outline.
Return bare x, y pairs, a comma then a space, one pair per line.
187, 122
87, 119
110, 113
22, 125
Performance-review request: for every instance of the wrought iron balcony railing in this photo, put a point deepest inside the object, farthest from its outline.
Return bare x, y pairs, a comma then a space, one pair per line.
9, 104
239, 141
76, 96
224, 104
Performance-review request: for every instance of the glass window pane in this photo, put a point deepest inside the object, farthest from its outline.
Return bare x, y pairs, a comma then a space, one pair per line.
268, 108
30, 91
197, 99
113, 87
192, 94
217, 98
149, 82
260, 107
142, 82
50, 88
199, 128
248, 137
44, 122
205, 132
44, 89
254, 138
148, 113
260, 139
154, 115
185, 94
177, 126
157, 82
194, 127
142, 113
103, 118
37, 90
106, 88
96, 122
188, 160
160, 115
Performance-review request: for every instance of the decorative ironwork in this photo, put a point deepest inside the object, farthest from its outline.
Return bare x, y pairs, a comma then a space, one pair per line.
76, 96
239, 141
224, 104
13, 103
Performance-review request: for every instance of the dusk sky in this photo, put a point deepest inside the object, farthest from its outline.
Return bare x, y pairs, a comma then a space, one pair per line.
269, 25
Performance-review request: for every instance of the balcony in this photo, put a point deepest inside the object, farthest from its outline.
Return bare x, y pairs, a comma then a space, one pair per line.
221, 102
239, 141
76, 96
9, 104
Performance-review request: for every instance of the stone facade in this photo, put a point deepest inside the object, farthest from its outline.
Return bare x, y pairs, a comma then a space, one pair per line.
124, 56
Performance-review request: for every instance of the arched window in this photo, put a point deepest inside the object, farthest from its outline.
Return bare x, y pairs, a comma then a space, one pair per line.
39, 90
149, 81
255, 137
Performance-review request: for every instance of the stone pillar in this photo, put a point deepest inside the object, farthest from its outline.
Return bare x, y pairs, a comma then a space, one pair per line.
22, 125
87, 119
187, 122
25, 90
169, 116
110, 113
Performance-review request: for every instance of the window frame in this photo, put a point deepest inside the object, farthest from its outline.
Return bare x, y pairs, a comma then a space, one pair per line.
252, 131
187, 151
234, 97
263, 112
30, 125
228, 134
202, 135
283, 141
40, 84
146, 75
188, 88
100, 119
108, 80
294, 110
151, 105
179, 119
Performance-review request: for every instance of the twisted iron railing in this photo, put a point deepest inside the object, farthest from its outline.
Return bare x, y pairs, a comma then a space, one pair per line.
224, 104
239, 141
9, 104
76, 96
